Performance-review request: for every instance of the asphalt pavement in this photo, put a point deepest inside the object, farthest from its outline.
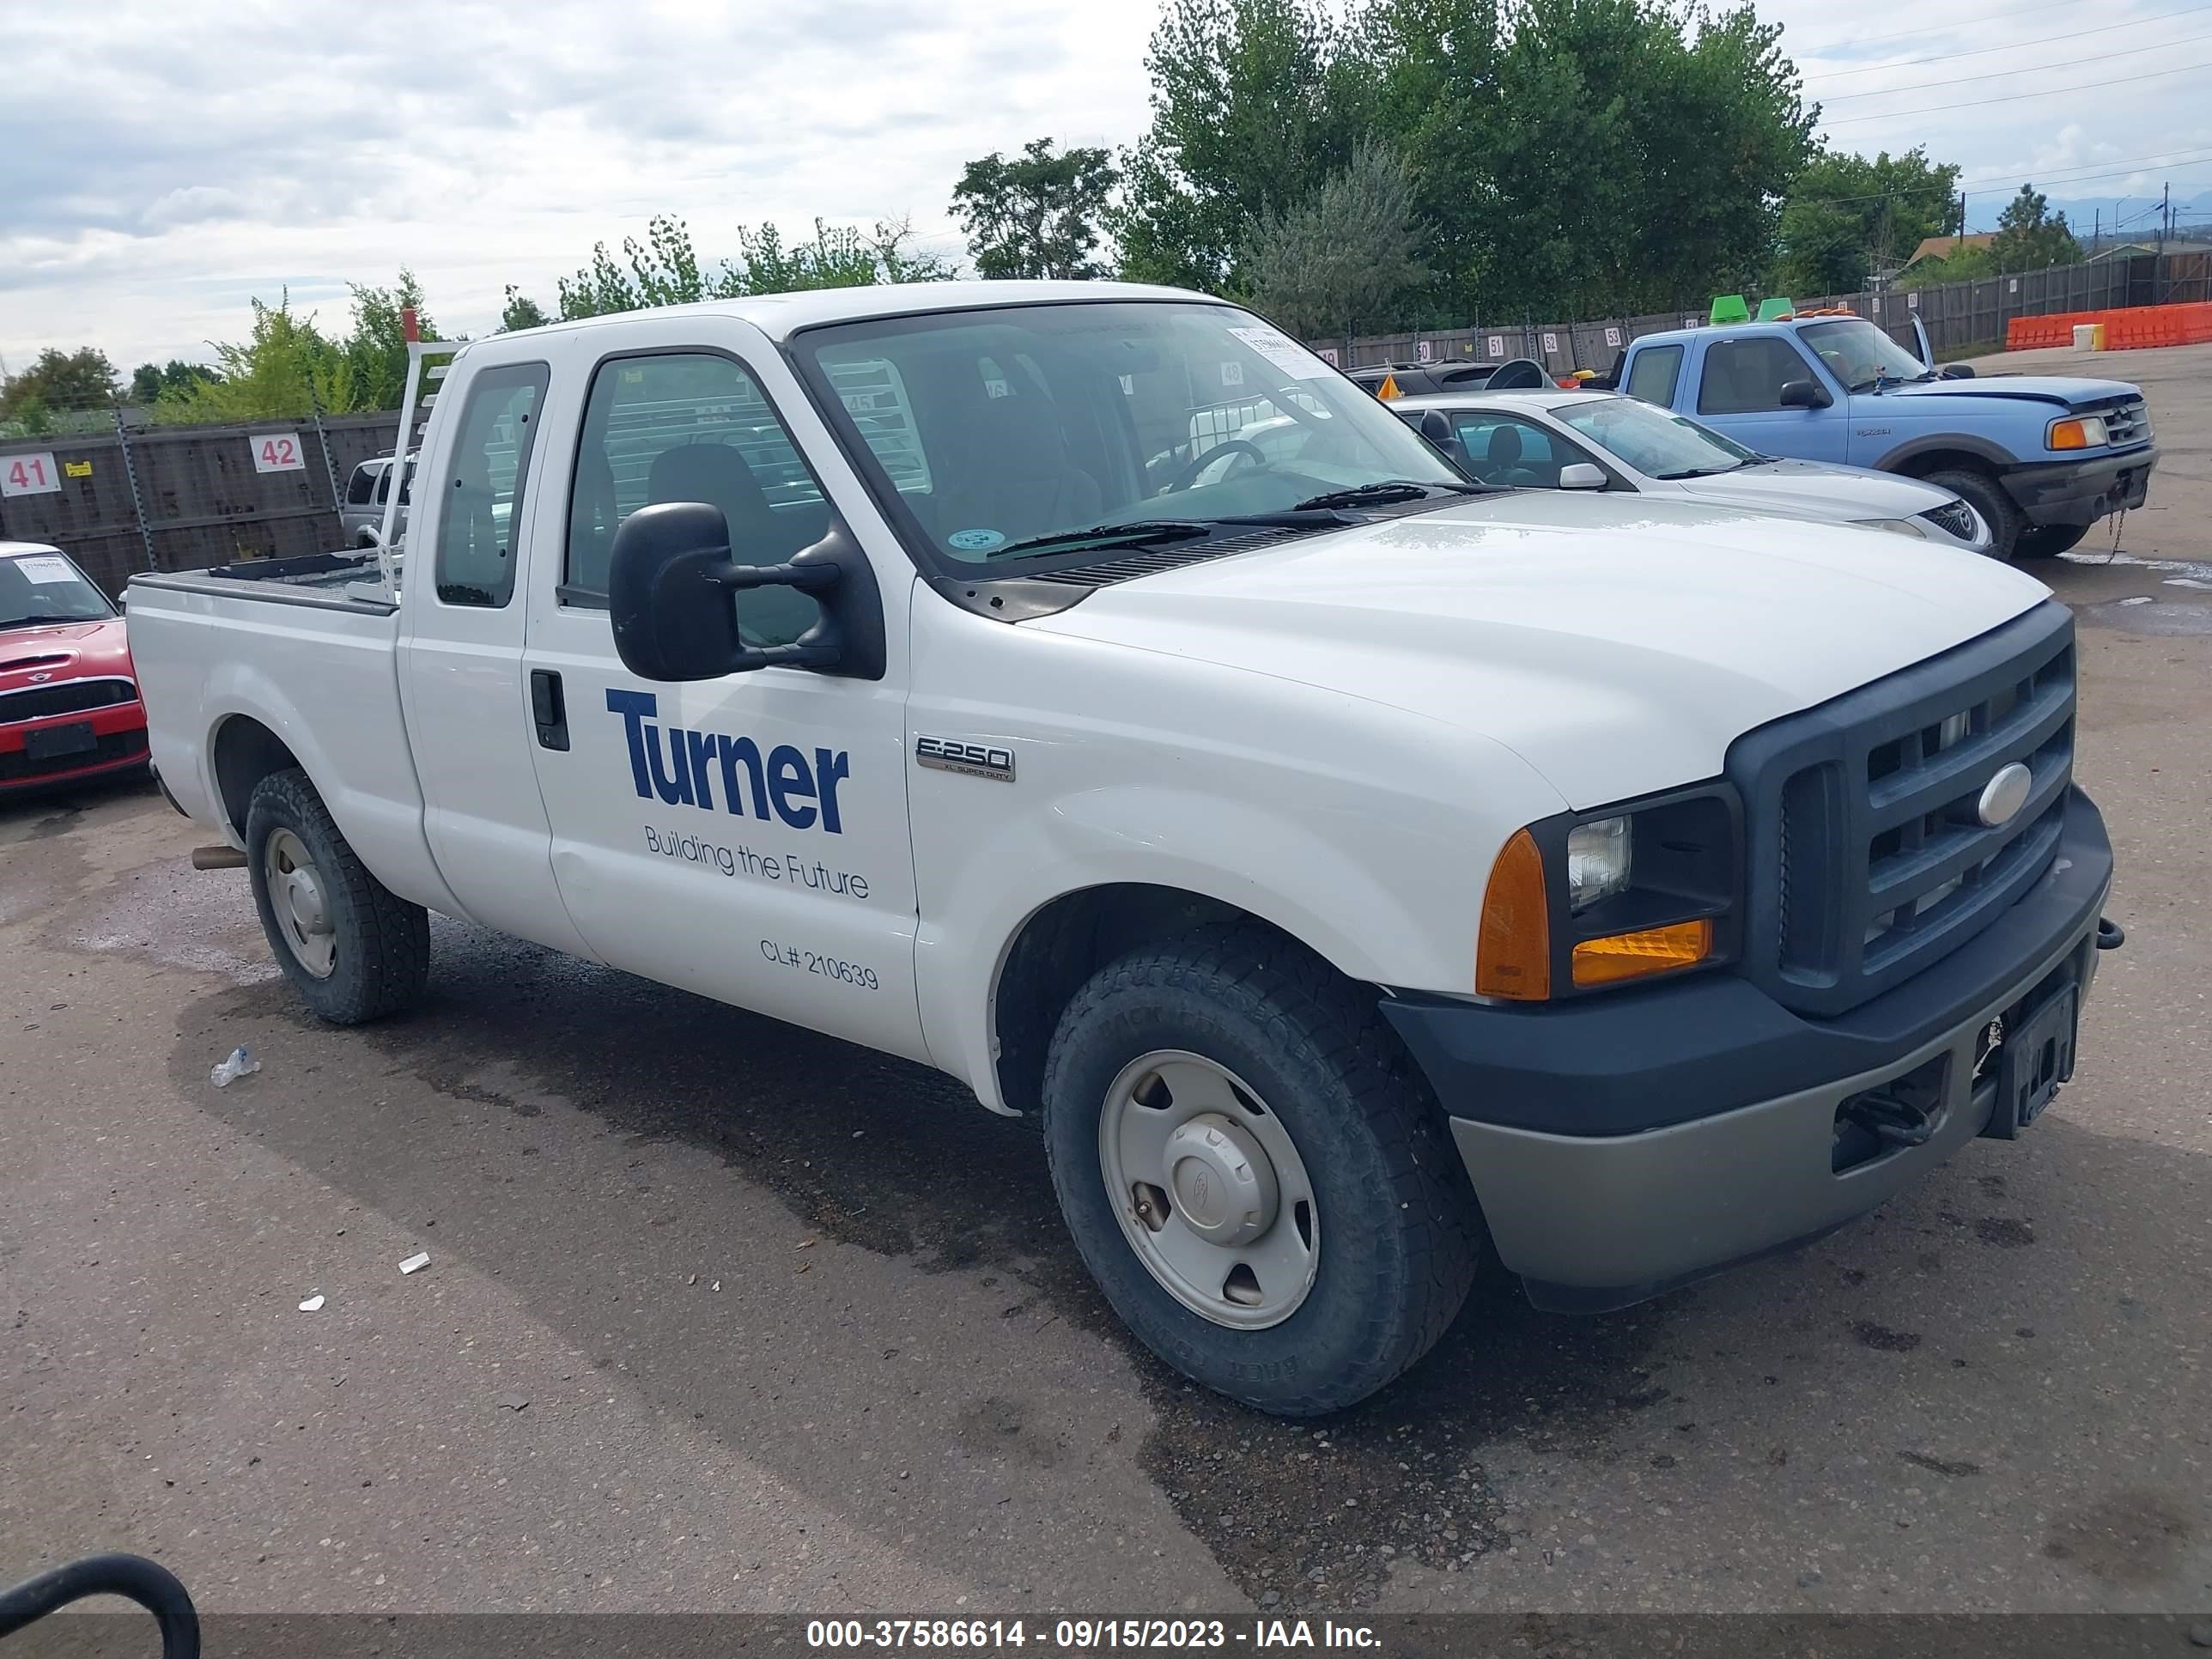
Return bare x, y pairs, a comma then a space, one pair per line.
720, 1314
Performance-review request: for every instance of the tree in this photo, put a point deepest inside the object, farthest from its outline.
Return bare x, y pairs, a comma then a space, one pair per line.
520, 311
1847, 217
149, 381
1342, 258
276, 373
664, 269
2027, 238
1252, 102
1038, 215
59, 380
375, 352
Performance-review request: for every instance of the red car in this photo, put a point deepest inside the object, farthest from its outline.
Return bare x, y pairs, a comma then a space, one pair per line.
69, 696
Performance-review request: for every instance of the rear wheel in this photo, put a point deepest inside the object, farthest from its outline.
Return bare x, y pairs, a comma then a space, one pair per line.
1255, 1174
1987, 496
355, 950
2048, 541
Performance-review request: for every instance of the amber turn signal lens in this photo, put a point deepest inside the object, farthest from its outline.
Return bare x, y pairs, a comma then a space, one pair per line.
2068, 435
1632, 956
1513, 948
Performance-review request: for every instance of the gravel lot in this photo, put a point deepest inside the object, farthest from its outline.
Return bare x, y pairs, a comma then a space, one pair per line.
721, 1314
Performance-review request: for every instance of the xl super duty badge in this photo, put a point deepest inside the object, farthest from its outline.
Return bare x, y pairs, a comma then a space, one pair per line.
976, 760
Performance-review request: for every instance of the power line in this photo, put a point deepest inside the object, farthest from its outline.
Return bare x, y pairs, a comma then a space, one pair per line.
2047, 92
2016, 45
1941, 29
1999, 74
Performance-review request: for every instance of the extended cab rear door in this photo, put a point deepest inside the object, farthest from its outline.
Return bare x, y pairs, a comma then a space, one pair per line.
745, 837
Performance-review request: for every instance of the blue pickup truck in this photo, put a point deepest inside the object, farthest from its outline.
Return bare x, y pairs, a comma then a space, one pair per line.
2040, 457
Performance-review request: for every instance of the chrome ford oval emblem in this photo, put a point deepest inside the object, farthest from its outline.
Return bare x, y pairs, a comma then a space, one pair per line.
2003, 795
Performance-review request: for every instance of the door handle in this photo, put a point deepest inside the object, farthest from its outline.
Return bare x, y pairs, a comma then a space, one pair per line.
550, 708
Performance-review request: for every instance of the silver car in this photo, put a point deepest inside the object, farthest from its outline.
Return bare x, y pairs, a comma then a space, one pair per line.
1603, 440
366, 492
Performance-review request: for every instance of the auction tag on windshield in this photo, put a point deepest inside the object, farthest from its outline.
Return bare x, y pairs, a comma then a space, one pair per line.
46, 568
1232, 372
1286, 354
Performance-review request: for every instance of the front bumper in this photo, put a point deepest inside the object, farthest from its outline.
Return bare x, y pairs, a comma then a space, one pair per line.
1622, 1146
2083, 491
119, 743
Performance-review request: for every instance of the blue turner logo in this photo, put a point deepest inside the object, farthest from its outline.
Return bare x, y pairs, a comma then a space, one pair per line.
683, 767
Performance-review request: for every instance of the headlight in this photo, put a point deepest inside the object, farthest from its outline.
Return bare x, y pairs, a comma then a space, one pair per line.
1577, 903
1599, 858
1902, 526
2077, 432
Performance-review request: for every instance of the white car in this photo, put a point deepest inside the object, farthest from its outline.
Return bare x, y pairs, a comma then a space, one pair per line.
1604, 440
1360, 873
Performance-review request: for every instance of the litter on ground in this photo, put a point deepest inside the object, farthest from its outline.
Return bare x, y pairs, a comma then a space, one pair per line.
241, 1063
416, 1263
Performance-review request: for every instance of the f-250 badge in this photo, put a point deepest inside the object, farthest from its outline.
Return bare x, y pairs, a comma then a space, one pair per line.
975, 760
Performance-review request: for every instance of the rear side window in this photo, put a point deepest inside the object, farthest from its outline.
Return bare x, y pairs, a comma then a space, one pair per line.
482, 509
1745, 377
362, 485
1653, 375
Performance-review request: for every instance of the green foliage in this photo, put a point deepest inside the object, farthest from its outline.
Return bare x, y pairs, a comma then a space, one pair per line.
2028, 239
665, 269
1342, 257
1968, 264
1252, 102
286, 366
1848, 216
375, 352
57, 380
1580, 157
1038, 215
149, 381
520, 311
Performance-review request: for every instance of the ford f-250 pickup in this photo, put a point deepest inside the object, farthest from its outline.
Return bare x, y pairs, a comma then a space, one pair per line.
1346, 863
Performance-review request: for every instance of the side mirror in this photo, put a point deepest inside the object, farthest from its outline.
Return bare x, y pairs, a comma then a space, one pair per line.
1804, 394
1581, 475
671, 595
1955, 372
1436, 426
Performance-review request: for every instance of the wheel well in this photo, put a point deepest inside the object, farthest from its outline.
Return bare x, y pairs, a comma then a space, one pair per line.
1071, 939
1943, 460
245, 751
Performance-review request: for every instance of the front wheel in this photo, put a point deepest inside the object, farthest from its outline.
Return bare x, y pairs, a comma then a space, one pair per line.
1254, 1172
354, 949
2048, 541
1982, 491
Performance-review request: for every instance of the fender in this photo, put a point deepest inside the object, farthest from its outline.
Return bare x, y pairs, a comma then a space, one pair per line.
376, 804
1995, 456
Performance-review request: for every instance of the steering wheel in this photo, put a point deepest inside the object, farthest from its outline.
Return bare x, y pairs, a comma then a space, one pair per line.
1188, 476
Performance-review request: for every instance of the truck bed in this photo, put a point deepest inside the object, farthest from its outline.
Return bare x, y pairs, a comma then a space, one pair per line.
348, 580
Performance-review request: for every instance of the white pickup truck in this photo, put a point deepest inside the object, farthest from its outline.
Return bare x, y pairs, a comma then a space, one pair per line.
1348, 865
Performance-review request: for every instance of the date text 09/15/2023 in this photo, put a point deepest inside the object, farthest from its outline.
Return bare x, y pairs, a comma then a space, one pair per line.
1090, 1635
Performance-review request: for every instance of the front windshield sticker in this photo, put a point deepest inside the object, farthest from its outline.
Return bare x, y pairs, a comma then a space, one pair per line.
975, 541
1232, 374
1286, 354
46, 568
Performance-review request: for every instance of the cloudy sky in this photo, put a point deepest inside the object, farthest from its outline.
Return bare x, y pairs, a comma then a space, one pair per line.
174, 159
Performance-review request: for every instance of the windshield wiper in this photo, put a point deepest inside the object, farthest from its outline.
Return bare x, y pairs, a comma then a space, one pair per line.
1136, 530
48, 622
1702, 472
1387, 490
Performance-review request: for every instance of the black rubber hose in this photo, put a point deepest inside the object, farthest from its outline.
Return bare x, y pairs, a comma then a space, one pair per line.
152, 1586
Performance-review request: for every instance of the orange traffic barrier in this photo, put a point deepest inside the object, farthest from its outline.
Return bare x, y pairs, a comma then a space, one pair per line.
2126, 328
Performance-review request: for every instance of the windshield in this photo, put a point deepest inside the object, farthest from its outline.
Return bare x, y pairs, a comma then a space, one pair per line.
1859, 355
1654, 443
43, 587
995, 430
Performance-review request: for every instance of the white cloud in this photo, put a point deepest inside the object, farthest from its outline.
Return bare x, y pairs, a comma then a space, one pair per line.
188, 155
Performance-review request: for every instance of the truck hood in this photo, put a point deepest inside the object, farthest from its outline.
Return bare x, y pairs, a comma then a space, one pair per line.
1617, 644
2063, 390
1814, 490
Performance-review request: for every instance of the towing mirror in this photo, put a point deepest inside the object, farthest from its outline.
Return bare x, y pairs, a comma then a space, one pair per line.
672, 591
1804, 394
1581, 475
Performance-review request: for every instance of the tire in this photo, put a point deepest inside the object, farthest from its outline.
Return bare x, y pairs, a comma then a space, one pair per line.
2048, 541
1987, 496
373, 957
1392, 1234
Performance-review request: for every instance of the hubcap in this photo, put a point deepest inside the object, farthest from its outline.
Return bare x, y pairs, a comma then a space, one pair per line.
296, 896
1211, 1192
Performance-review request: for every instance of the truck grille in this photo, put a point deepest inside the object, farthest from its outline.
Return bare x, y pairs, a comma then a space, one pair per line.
1868, 859
2129, 423
72, 698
